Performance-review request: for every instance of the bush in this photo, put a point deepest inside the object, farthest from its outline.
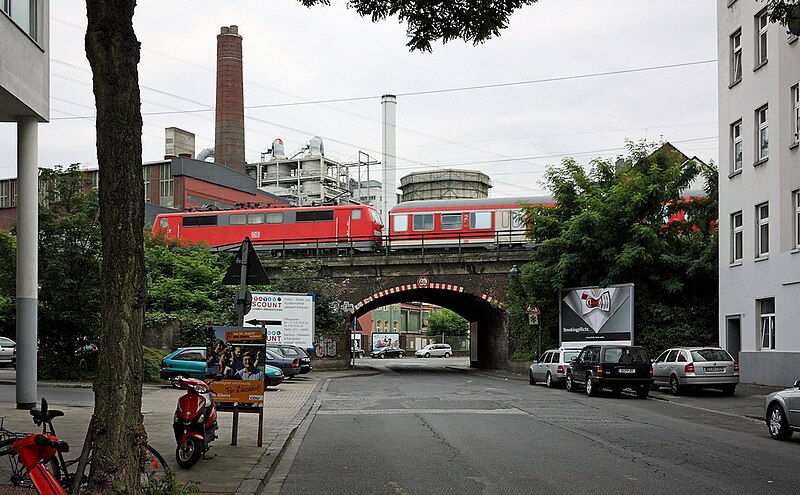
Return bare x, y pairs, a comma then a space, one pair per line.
152, 365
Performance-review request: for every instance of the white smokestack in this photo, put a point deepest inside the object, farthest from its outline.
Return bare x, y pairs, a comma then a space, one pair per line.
389, 159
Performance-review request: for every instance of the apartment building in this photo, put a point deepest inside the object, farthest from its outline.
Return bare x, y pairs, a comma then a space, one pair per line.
759, 202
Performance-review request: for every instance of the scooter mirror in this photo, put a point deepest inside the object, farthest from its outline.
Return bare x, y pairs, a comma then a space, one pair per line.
44, 407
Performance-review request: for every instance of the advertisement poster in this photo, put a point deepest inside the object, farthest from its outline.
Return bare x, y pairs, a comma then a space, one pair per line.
381, 340
601, 315
287, 318
234, 364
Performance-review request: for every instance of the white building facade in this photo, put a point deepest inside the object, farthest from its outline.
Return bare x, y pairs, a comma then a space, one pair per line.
759, 192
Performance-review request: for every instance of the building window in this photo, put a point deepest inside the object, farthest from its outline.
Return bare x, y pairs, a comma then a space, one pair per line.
736, 57
762, 19
766, 312
5, 198
796, 218
762, 230
23, 13
146, 178
736, 147
762, 130
166, 186
737, 233
796, 114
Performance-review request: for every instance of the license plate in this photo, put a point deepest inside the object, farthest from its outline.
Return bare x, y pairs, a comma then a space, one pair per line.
715, 369
627, 371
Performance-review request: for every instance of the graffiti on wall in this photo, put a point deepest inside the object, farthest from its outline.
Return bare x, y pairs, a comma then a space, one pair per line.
325, 347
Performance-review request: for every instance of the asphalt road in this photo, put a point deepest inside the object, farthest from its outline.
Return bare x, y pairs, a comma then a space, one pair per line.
422, 428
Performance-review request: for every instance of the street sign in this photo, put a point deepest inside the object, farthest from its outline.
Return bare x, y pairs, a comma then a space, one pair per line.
533, 319
256, 275
532, 310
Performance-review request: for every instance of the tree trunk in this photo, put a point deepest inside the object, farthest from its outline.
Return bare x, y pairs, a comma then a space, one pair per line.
118, 431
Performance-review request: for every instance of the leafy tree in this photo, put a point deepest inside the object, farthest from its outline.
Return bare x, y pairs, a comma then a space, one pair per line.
183, 285
429, 20
69, 269
8, 281
783, 11
610, 226
446, 322
113, 53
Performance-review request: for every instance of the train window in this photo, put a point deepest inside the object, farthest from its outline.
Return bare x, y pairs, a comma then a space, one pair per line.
199, 221
423, 221
163, 223
517, 220
480, 220
505, 219
400, 223
451, 221
355, 214
314, 216
376, 217
255, 218
237, 219
275, 217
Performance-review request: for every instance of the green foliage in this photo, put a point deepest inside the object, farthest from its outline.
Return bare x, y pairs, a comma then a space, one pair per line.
8, 280
152, 364
475, 21
781, 11
69, 269
446, 322
307, 277
169, 485
609, 228
184, 286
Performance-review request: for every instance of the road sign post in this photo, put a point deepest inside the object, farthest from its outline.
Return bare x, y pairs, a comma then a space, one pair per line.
533, 319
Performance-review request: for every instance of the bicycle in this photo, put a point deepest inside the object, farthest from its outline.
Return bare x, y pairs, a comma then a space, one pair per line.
153, 466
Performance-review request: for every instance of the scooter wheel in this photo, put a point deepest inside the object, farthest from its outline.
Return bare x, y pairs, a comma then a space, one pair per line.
189, 456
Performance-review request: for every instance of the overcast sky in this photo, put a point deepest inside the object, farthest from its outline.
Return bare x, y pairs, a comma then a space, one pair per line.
568, 78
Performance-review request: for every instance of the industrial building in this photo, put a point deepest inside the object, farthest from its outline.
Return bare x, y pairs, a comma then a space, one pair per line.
445, 184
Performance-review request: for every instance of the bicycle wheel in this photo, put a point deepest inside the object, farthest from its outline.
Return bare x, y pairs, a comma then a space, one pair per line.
154, 467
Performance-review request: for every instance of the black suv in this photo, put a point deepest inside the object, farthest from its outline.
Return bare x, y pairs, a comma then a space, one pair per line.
293, 352
611, 366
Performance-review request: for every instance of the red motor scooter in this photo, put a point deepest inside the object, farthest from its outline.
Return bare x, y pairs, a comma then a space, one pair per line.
33, 451
195, 422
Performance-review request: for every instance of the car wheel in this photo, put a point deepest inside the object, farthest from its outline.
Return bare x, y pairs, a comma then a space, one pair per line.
776, 421
674, 386
427, 354
382, 355
642, 391
446, 354
400, 355
531, 379
570, 383
729, 390
175, 379
591, 389
548, 381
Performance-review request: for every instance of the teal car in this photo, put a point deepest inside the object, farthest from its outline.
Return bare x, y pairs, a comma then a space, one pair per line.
190, 362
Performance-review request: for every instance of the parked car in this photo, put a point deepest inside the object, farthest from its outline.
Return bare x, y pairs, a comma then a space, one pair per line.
8, 352
293, 351
681, 368
782, 412
552, 367
290, 366
435, 350
357, 352
615, 367
385, 352
190, 362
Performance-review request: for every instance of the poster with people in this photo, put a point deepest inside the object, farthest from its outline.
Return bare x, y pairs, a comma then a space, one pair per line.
381, 340
234, 365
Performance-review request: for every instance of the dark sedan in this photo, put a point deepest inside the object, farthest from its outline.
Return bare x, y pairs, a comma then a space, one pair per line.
385, 352
289, 366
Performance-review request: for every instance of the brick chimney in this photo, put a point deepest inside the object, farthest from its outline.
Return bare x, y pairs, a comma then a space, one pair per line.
229, 135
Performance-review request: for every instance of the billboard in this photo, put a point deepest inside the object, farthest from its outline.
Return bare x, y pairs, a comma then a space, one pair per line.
596, 315
226, 385
381, 340
286, 318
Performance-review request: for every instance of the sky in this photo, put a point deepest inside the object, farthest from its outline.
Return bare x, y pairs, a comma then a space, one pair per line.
567, 78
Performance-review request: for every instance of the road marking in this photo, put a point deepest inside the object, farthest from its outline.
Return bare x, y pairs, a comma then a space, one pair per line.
361, 412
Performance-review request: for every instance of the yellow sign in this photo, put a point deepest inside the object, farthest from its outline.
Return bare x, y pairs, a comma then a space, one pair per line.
250, 391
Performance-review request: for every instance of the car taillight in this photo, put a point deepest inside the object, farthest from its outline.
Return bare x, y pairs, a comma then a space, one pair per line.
651, 372
560, 369
599, 372
689, 368
735, 366
294, 363
163, 363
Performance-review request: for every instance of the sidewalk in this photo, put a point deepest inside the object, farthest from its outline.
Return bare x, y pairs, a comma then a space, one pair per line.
242, 469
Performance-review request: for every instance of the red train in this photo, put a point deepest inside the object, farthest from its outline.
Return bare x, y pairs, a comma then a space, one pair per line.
485, 222
355, 227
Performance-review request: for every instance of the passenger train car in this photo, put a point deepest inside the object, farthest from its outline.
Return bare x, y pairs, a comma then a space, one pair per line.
482, 222
356, 227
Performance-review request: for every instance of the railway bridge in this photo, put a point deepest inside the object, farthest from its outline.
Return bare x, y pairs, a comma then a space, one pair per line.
473, 284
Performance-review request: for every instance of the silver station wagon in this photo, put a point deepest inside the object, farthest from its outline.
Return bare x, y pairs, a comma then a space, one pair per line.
682, 368
551, 368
